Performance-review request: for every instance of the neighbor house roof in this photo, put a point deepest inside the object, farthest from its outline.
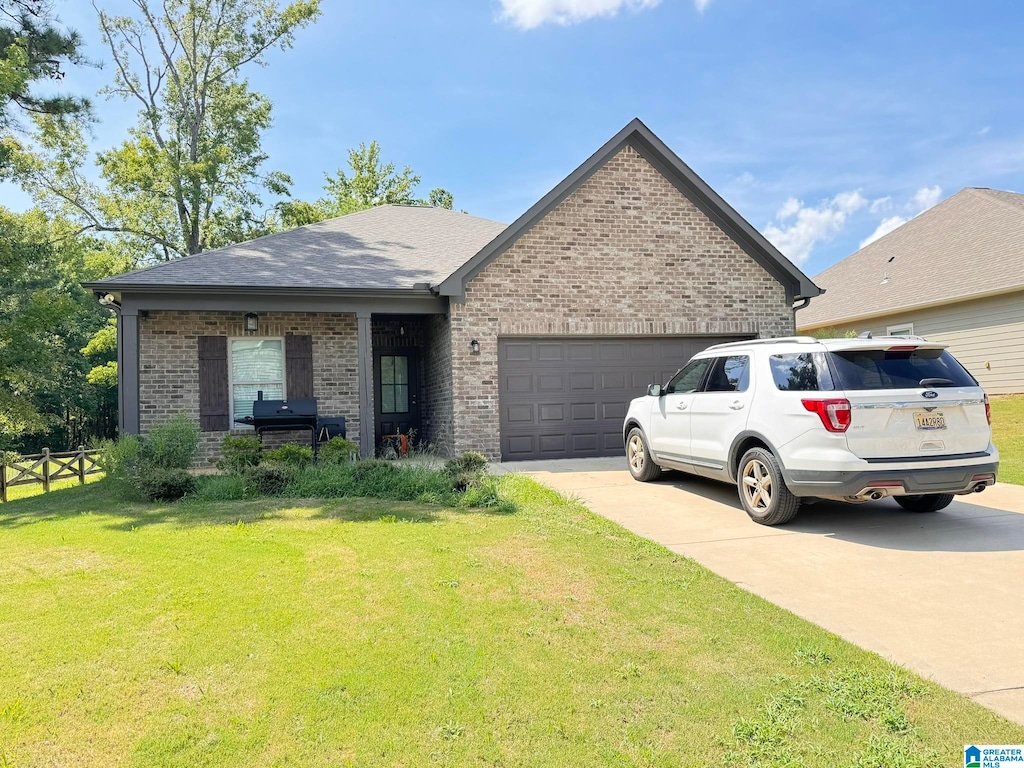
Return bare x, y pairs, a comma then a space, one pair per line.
658, 154
968, 246
384, 248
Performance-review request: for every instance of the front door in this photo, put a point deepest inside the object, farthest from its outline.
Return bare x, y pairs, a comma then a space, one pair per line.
396, 393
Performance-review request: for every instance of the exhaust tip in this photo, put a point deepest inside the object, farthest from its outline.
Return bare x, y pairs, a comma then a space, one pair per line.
876, 495
980, 487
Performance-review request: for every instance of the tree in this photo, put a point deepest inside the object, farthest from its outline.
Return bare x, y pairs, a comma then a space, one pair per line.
32, 48
371, 183
190, 176
46, 319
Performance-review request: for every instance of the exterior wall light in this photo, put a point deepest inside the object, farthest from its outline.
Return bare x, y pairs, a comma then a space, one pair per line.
474, 347
252, 322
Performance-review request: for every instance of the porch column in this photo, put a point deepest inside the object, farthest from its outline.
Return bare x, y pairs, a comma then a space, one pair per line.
365, 349
128, 372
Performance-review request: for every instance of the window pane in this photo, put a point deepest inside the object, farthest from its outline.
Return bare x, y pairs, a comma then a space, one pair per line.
387, 398
244, 394
899, 369
401, 370
688, 379
387, 369
402, 398
254, 360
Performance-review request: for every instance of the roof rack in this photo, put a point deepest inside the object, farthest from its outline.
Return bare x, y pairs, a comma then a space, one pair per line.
782, 340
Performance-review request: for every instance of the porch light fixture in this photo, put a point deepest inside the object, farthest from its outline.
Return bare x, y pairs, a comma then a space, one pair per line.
474, 346
252, 322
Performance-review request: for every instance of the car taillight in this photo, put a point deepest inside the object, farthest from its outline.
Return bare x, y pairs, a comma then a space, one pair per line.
834, 414
988, 410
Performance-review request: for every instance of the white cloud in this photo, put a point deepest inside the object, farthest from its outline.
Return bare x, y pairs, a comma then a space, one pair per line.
802, 227
881, 204
923, 199
529, 14
984, 131
884, 228
701, 5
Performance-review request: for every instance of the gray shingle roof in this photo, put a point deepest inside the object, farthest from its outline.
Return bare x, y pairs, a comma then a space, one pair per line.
384, 248
970, 244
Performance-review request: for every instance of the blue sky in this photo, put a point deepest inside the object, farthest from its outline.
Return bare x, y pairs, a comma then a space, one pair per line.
819, 121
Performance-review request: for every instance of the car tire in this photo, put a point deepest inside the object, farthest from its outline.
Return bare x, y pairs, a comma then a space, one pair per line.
763, 492
641, 465
930, 502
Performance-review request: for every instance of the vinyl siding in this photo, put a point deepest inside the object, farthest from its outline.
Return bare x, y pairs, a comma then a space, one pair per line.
986, 335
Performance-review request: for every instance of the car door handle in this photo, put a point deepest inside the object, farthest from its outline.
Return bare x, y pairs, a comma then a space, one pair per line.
737, 405
680, 406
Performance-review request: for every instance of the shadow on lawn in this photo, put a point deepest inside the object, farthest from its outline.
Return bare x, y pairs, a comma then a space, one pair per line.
97, 501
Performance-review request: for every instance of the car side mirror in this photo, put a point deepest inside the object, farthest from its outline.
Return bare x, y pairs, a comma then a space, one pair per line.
654, 390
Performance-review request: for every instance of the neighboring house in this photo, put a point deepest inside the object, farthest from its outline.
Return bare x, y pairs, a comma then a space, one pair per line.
953, 274
522, 341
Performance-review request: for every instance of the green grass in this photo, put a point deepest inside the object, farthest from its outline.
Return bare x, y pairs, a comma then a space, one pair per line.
1008, 435
363, 632
35, 489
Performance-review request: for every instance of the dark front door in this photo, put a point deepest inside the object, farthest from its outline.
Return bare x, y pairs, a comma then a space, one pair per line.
396, 392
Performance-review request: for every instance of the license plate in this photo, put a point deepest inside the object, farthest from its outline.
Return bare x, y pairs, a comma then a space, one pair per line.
928, 421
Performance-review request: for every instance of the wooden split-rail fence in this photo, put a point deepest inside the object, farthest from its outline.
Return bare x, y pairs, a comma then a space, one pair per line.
47, 467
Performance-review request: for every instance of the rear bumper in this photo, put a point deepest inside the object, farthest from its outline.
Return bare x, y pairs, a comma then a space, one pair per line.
912, 482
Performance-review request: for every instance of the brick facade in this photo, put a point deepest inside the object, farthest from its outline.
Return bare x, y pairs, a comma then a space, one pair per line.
169, 363
624, 254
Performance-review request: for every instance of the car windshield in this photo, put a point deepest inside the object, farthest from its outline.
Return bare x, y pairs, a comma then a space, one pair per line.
858, 369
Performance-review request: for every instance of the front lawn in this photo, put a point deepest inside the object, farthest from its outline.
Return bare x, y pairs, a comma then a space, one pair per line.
359, 632
1008, 435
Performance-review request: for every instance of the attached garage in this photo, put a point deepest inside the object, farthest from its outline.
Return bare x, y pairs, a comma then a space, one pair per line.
563, 398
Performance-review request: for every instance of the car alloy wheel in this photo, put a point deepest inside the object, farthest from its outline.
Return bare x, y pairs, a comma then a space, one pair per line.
636, 454
757, 485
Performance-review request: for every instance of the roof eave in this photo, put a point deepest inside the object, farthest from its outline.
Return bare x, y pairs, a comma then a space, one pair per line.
420, 289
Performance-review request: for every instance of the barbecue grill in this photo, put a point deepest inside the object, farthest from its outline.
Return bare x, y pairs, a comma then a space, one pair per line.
283, 415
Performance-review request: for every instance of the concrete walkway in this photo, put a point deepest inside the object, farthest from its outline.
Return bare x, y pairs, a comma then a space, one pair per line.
942, 594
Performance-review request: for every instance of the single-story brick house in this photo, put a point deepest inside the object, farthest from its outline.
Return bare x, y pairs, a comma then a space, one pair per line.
954, 274
519, 341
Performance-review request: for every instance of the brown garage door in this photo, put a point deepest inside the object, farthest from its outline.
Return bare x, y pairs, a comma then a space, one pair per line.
566, 397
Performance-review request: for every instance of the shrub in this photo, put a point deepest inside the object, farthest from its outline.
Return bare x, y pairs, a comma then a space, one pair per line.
238, 452
172, 444
268, 479
466, 470
296, 455
9, 458
338, 450
324, 481
160, 484
121, 460
470, 463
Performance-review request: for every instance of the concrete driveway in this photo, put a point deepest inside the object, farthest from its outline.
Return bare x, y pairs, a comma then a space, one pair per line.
938, 593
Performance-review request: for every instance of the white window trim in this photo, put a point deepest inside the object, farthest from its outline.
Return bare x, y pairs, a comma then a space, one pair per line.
231, 379
903, 329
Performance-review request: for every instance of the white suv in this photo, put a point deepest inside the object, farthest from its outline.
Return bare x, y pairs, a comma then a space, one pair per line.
801, 418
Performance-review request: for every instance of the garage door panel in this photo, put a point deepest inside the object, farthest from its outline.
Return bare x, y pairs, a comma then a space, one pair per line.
552, 412
567, 397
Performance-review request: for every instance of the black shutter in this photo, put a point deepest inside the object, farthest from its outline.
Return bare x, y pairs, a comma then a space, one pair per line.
213, 384
298, 353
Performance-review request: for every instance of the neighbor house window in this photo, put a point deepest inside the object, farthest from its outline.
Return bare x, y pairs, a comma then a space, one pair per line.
907, 329
255, 365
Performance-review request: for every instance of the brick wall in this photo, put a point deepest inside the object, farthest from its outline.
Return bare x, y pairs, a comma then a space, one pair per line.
169, 364
437, 367
625, 254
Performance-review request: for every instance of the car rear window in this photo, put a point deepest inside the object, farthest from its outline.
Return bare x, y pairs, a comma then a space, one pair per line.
899, 369
801, 372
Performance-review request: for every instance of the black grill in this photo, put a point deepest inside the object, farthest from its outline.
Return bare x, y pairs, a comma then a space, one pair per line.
283, 415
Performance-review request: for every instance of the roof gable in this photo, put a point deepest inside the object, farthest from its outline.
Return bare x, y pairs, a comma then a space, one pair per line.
969, 245
650, 147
